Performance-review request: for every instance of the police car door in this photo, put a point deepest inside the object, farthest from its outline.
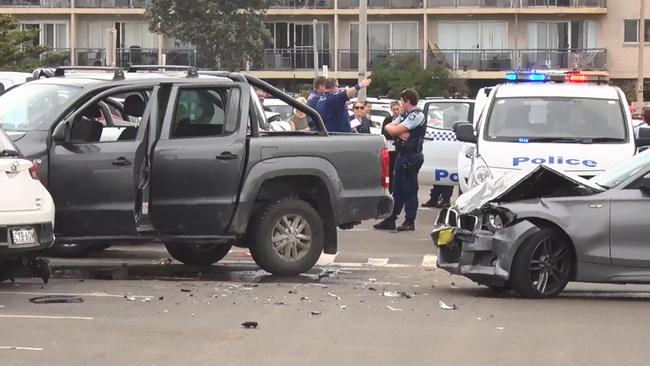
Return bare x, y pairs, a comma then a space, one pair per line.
440, 145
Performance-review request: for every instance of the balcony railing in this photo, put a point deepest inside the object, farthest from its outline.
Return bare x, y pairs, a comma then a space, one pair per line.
137, 4
302, 4
516, 3
528, 59
349, 59
295, 59
35, 3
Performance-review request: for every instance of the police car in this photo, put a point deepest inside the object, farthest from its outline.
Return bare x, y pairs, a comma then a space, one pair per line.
441, 148
571, 121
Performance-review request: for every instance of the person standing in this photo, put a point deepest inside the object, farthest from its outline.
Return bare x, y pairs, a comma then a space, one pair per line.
314, 96
299, 119
409, 137
332, 105
396, 115
360, 123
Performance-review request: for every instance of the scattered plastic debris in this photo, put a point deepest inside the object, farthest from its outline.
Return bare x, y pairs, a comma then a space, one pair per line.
185, 290
129, 298
372, 289
316, 313
192, 314
146, 299
396, 294
56, 299
293, 292
305, 298
282, 303
343, 307
444, 306
163, 261
453, 285
250, 325
161, 298
393, 309
333, 295
372, 279
16, 348
500, 328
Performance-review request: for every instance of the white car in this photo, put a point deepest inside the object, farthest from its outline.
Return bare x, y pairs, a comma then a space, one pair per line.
26, 207
380, 110
284, 110
579, 125
9, 79
440, 145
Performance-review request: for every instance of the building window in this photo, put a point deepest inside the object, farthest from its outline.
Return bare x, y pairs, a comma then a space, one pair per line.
631, 33
387, 36
52, 35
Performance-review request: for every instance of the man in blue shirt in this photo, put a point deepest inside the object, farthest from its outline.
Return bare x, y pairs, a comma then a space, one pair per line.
314, 96
332, 105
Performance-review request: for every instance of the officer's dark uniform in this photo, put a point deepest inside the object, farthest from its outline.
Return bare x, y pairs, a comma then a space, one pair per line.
407, 166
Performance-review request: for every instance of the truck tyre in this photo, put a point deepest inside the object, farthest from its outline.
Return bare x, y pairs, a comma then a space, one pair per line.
198, 254
287, 237
70, 250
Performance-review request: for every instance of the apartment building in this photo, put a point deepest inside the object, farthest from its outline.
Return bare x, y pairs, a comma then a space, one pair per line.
478, 39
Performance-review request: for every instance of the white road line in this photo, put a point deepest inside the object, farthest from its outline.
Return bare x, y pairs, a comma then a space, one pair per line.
326, 259
45, 317
377, 262
429, 261
91, 294
21, 348
358, 230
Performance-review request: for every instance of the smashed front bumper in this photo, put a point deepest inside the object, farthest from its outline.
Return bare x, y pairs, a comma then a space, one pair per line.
481, 255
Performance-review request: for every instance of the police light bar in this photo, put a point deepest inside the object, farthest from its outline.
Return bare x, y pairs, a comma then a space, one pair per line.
587, 77
517, 77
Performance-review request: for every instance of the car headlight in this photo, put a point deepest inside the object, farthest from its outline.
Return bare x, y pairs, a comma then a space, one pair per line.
496, 218
494, 221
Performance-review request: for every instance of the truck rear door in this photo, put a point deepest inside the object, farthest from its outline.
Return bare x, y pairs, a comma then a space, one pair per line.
199, 159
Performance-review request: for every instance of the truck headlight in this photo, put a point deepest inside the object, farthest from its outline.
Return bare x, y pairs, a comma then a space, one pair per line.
480, 175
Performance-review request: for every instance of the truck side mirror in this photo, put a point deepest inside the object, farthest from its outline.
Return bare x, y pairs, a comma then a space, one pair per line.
465, 132
62, 132
642, 136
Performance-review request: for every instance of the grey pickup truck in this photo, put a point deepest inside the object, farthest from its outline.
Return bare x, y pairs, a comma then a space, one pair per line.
171, 155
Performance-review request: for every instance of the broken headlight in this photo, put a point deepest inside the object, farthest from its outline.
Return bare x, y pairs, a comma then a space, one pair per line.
496, 218
480, 175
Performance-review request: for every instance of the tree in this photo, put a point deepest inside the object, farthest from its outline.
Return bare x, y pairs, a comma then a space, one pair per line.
19, 49
226, 33
397, 73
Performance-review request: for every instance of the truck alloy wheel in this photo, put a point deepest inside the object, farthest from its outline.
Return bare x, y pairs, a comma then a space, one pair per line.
542, 266
287, 237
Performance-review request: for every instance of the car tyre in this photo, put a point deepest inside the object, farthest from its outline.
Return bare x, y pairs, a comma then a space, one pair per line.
287, 237
543, 265
198, 254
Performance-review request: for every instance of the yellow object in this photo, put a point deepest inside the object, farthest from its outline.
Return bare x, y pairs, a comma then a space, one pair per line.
445, 237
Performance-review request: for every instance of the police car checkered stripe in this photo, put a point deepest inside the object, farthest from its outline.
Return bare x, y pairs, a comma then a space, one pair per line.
440, 135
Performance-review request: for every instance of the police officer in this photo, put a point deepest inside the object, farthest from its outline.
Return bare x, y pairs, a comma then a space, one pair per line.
409, 134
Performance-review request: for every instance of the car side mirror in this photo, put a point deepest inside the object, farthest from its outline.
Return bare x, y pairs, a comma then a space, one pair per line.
642, 136
62, 132
465, 132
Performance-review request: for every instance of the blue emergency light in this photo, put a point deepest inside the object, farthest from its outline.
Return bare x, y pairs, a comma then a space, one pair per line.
526, 77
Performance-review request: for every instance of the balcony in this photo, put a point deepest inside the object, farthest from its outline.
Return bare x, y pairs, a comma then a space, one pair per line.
35, 3
294, 59
136, 56
516, 3
527, 59
349, 59
133, 4
302, 4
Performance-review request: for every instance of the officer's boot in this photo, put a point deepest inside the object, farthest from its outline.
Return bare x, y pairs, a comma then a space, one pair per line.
387, 224
407, 226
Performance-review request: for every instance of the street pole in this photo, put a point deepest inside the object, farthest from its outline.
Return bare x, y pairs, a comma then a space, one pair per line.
363, 45
315, 25
640, 86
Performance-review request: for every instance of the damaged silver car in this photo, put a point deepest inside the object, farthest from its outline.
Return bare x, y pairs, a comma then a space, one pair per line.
536, 231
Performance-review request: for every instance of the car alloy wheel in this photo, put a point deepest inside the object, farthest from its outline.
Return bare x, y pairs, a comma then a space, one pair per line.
550, 266
291, 237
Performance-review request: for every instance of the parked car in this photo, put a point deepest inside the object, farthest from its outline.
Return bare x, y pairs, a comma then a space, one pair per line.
26, 209
199, 171
9, 79
441, 147
284, 110
536, 230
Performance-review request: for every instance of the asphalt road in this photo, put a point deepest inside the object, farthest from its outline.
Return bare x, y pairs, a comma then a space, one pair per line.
138, 310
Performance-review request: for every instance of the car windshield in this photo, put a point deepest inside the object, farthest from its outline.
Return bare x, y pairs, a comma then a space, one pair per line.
444, 114
568, 120
24, 108
614, 176
284, 110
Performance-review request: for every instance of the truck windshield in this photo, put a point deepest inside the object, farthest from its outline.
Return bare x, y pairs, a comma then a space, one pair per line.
561, 120
26, 107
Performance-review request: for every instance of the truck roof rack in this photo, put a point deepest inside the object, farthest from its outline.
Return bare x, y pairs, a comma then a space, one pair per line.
118, 74
42, 73
191, 71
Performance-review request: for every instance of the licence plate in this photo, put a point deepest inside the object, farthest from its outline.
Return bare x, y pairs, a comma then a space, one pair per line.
23, 236
445, 237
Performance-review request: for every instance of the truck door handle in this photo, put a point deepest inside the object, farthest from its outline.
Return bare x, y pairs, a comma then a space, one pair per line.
121, 161
227, 155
